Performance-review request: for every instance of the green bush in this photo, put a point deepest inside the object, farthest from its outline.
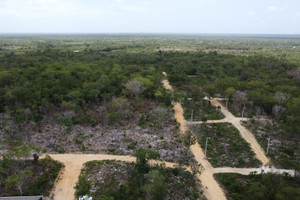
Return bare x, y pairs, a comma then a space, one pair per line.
260, 186
65, 121
114, 117
82, 186
42, 180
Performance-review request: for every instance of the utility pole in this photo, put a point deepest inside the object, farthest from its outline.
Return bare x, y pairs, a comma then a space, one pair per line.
268, 146
206, 147
243, 112
192, 115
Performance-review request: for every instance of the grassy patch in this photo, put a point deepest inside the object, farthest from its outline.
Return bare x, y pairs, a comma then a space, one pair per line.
225, 145
260, 186
202, 110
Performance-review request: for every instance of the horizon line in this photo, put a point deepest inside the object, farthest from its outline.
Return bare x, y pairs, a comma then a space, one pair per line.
153, 33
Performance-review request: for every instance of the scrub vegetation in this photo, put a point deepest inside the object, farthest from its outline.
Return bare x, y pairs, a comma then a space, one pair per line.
260, 186
119, 180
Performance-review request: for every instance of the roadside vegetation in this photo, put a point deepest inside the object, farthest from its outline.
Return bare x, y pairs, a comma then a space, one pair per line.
20, 176
284, 150
120, 180
225, 146
196, 108
260, 186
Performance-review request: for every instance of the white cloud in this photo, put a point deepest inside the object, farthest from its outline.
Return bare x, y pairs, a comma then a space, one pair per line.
251, 13
144, 2
8, 12
285, 7
273, 9
132, 8
277, 8
33, 9
207, 1
263, 21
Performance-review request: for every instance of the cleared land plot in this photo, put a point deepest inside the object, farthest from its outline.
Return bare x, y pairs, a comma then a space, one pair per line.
114, 132
109, 179
202, 110
225, 146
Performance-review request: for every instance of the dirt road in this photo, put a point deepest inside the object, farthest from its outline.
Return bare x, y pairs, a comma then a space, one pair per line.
208, 122
212, 190
216, 121
64, 187
247, 171
167, 85
247, 135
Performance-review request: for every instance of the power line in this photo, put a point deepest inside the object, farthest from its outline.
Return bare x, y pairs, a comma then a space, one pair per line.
206, 147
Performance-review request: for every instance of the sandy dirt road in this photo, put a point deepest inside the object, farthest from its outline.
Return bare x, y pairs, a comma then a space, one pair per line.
247, 171
212, 190
207, 122
64, 187
216, 121
246, 134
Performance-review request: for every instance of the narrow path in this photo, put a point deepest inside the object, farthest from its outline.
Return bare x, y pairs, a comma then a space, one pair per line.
247, 171
246, 134
64, 187
212, 190
208, 121
216, 121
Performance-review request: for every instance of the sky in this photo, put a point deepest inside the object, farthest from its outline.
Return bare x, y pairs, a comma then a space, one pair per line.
150, 16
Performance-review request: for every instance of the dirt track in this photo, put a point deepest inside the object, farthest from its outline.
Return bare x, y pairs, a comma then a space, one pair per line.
212, 190
64, 187
247, 171
247, 135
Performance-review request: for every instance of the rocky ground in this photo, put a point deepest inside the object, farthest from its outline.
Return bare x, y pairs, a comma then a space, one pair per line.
124, 140
106, 177
122, 137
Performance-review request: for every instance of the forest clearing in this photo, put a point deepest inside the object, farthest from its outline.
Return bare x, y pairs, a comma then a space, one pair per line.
121, 115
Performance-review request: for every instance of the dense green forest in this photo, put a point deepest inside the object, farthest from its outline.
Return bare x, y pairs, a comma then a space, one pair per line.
262, 84
49, 75
40, 81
